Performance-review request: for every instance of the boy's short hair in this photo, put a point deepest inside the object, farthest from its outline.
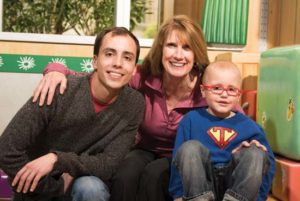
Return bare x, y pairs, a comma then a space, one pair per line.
116, 31
222, 64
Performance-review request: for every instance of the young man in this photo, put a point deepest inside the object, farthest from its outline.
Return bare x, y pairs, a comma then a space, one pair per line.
220, 154
70, 149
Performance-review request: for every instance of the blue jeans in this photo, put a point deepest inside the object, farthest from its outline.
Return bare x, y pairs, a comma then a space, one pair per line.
89, 188
239, 180
85, 188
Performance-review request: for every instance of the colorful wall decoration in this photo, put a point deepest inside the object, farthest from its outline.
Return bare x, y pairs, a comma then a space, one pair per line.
17, 63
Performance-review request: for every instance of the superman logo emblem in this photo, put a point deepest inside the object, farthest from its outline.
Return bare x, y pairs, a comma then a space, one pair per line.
221, 136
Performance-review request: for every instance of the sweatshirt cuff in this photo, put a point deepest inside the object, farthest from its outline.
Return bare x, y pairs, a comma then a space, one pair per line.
58, 165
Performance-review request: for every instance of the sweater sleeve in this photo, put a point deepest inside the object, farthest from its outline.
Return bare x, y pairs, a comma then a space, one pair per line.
268, 178
136, 80
103, 164
16, 142
58, 67
175, 185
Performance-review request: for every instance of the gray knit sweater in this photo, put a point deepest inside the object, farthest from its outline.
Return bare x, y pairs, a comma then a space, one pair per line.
85, 142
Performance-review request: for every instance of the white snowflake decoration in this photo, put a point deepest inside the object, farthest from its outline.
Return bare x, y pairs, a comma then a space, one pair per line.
26, 63
58, 60
87, 65
1, 61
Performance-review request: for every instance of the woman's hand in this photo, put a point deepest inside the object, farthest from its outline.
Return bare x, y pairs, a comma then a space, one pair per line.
47, 87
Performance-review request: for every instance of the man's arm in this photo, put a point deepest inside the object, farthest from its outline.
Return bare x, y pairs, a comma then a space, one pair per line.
102, 164
16, 141
23, 130
30, 174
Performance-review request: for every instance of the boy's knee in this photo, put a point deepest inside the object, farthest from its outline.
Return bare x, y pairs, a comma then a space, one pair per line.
253, 153
254, 159
190, 149
90, 188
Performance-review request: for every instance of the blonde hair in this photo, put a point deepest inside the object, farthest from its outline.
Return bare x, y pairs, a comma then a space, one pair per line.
189, 32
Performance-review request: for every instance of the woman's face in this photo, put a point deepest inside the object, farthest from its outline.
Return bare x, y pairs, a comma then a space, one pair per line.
177, 56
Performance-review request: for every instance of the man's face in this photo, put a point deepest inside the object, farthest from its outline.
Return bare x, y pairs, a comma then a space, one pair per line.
115, 63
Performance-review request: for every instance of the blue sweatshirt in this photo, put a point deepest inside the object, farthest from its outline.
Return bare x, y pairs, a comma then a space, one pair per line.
197, 124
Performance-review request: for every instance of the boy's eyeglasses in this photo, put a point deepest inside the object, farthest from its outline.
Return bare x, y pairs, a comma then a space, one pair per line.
219, 89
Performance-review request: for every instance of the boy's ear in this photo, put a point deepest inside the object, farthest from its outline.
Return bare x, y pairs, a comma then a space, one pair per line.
202, 91
240, 98
95, 62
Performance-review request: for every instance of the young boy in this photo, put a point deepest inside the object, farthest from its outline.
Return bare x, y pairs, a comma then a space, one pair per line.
221, 154
84, 135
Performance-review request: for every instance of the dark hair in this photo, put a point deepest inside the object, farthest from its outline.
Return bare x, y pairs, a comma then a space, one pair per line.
116, 31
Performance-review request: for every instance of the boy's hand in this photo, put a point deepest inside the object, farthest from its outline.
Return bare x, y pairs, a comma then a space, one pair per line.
31, 173
247, 144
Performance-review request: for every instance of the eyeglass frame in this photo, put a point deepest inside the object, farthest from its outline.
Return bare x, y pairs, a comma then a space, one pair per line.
210, 88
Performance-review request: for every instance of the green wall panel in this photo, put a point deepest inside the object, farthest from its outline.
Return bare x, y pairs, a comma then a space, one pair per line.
18, 63
36, 63
226, 21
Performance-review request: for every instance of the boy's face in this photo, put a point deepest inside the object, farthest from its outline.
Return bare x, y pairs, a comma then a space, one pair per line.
115, 63
221, 102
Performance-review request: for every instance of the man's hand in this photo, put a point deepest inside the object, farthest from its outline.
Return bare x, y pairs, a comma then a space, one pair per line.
67, 181
247, 144
31, 173
47, 86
